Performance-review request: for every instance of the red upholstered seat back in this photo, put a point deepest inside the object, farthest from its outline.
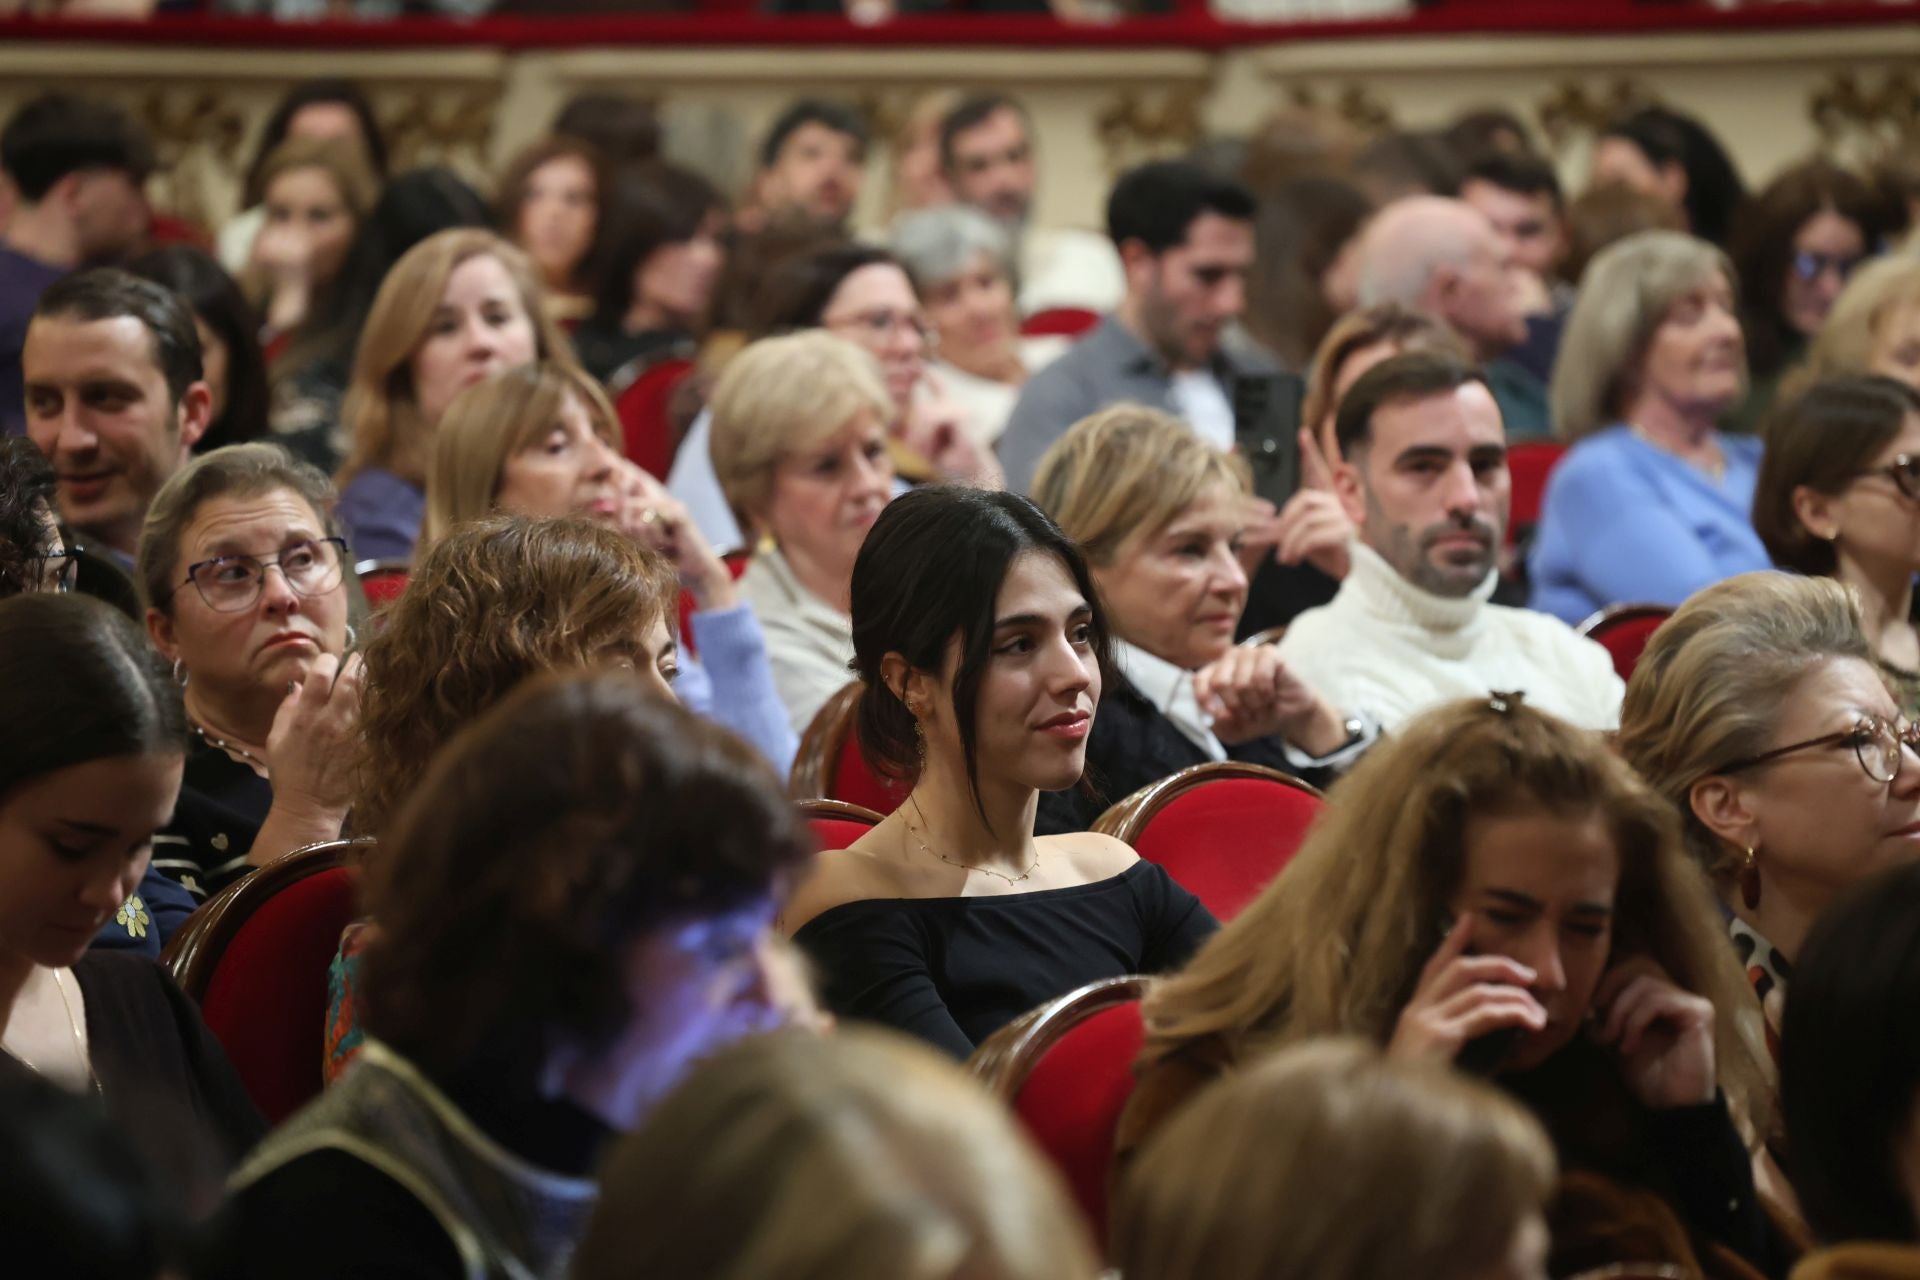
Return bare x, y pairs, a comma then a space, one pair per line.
855, 781
829, 763
1529, 465
1072, 1100
266, 1001
645, 422
1623, 631
1225, 839
1067, 322
837, 833
383, 585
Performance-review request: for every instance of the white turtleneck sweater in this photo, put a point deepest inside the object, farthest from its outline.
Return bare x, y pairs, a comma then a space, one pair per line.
1386, 648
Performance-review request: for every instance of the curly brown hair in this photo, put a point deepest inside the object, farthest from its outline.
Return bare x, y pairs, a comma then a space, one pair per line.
492, 603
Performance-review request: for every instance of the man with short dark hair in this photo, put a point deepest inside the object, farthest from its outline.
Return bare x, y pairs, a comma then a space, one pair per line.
114, 398
812, 164
79, 167
1423, 476
987, 154
1186, 241
1520, 195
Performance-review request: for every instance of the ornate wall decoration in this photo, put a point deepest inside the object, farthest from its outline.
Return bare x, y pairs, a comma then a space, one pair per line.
196, 138
1571, 111
1354, 104
1852, 114
1144, 124
443, 125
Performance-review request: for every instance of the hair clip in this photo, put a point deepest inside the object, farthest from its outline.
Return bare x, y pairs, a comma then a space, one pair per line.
1507, 703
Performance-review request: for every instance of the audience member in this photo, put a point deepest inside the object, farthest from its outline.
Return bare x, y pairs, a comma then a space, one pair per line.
1402, 163
663, 247
114, 399
1602, 215
573, 909
1332, 1161
1482, 131
541, 441
1794, 246
864, 295
1674, 157
1839, 496
231, 362
919, 178
272, 696
33, 552
1519, 193
1493, 888
1444, 257
812, 166
335, 109
456, 309
550, 205
1874, 327
623, 130
1186, 241
1304, 235
980, 685
310, 378
1423, 478
860, 1154
77, 167
1653, 501
800, 448
987, 155
1850, 1082
1757, 711
317, 192
1158, 512
963, 262
89, 770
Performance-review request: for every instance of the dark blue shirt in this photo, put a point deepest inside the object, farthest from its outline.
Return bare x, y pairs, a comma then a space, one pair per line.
22, 281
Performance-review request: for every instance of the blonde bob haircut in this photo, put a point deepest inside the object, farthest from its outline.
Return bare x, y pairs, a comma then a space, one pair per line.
381, 415
1127, 471
1332, 1161
1625, 295
1876, 293
1336, 944
859, 1154
786, 395
1713, 681
492, 422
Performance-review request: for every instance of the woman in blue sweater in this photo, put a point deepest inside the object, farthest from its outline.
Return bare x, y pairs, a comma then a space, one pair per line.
1653, 501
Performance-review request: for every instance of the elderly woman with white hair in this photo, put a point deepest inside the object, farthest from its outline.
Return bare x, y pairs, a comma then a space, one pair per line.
1653, 502
964, 263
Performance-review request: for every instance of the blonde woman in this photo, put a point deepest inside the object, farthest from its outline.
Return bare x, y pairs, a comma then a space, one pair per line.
856, 1155
1333, 1161
1159, 514
1493, 888
1758, 712
1874, 326
542, 440
799, 446
317, 191
457, 308
1652, 502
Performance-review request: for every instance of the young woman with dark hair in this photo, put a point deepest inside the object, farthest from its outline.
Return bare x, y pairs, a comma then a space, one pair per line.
950, 918
90, 766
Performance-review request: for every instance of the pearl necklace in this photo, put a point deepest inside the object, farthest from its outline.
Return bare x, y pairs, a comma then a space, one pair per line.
224, 745
954, 862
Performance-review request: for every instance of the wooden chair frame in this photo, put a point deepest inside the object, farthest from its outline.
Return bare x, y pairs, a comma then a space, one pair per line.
841, 810
1003, 1061
822, 743
1272, 635
1130, 816
196, 948
1618, 613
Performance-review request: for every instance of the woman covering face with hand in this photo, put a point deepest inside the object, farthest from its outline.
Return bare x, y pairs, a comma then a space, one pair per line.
1491, 887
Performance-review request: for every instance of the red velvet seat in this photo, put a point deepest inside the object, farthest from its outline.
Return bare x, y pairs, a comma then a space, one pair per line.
829, 764
1066, 1069
646, 422
1063, 322
1623, 630
382, 581
837, 824
1529, 465
255, 958
1222, 829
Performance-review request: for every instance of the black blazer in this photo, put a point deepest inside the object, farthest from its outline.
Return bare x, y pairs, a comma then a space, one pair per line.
1133, 744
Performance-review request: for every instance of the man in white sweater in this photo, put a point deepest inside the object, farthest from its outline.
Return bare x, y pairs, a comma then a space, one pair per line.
1423, 476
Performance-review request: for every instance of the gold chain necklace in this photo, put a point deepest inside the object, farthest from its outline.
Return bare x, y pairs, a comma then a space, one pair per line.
73, 1029
964, 866
224, 745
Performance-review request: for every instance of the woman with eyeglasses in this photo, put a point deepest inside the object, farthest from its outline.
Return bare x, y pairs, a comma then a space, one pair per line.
1757, 710
1839, 497
244, 575
33, 552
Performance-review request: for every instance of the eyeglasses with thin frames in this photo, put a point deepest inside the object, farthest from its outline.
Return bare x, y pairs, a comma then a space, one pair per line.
884, 325
229, 584
1876, 743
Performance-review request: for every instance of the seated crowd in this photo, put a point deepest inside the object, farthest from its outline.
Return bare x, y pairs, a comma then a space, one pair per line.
556, 571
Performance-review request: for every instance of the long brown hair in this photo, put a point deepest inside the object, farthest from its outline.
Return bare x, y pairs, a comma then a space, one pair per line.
490, 604
381, 413
1337, 943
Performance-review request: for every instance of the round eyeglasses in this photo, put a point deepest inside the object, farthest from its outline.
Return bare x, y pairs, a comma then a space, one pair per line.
229, 584
1876, 742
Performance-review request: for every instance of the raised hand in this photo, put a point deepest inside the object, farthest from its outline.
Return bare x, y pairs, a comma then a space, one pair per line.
1252, 693
1461, 998
1662, 1035
660, 520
